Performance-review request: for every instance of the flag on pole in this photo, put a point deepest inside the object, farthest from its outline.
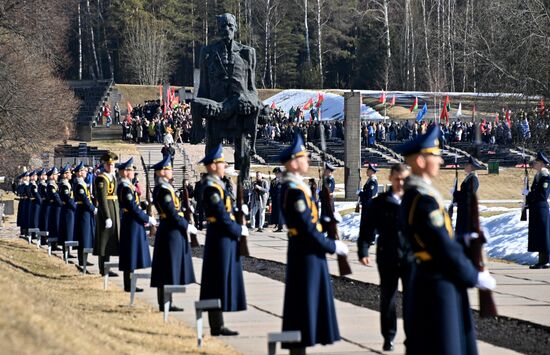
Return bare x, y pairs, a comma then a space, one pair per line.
320, 99
393, 100
508, 120
415, 105
383, 97
444, 112
160, 93
273, 105
459, 111
422, 112
308, 104
129, 107
496, 119
448, 104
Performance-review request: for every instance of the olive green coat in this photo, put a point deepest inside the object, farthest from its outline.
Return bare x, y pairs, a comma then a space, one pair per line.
107, 240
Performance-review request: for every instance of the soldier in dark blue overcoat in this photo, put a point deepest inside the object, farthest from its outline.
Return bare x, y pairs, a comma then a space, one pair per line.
222, 273
461, 197
134, 248
275, 195
55, 205
172, 258
438, 308
369, 191
309, 301
84, 227
329, 181
539, 218
45, 206
34, 201
23, 207
66, 226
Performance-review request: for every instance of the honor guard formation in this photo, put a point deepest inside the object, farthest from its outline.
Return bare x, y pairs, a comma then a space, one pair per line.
409, 223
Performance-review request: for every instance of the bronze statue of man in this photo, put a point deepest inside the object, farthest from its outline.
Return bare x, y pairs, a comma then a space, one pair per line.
227, 97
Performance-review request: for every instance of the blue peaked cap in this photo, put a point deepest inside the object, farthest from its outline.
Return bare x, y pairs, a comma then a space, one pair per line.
52, 171
542, 158
165, 163
295, 150
371, 167
214, 156
64, 169
126, 165
474, 163
79, 167
426, 143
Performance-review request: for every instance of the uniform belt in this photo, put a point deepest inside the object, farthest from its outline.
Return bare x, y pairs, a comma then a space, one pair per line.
292, 232
112, 198
211, 219
164, 216
33, 198
52, 201
79, 202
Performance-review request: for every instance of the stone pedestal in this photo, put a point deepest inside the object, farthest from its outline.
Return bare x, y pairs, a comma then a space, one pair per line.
352, 153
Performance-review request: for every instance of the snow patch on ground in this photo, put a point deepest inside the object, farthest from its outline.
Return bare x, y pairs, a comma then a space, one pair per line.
332, 107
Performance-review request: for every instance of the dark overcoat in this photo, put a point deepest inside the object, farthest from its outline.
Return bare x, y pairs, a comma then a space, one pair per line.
222, 272
23, 207
309, 301
276, 211
55, 209
66, 228
35, 203
134, 248
539, 218
370, 190
44, 208
468, 187
172, 258
107, 239
438, 309
84, 230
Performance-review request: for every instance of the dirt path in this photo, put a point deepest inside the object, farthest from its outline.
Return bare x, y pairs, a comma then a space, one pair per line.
47, 307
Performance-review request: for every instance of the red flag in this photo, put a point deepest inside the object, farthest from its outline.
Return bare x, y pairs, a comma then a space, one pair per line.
415, 105
130, 108
541, 106
308, 104
383, 97
393, 100
496, 120
273, 105
508, 121
444, 113
320, 99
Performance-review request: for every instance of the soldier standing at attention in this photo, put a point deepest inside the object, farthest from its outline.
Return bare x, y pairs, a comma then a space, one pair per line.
45, 206
84, 226
469, 186
222, 271
309, 302
172, 263
22, 208
66, 227
55, 205
439, 315
108, 215
275, 195
370, 190
328, 180
35, 200
392, 251
539, 218
134, 248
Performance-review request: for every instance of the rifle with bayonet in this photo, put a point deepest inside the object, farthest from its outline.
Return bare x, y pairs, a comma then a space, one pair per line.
327, 208
524, 207
149, 198
188, 214
358, 204
453, 202
240, 215
487, 306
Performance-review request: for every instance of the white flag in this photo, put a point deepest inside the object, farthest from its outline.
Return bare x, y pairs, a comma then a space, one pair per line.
459, 111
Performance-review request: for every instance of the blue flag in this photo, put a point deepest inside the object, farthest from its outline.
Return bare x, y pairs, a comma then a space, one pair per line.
422, 112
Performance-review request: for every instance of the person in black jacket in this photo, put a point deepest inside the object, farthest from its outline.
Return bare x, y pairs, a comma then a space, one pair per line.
469, 186
392, 251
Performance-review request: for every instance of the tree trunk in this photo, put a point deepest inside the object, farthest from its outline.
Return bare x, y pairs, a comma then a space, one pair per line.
306, 33
319, 42
92, 40
388, 46
79, 43
426, 47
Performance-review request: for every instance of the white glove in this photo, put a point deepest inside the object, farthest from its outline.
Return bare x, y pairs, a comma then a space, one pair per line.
108, 223
468, 237
337, 217
341, 248
485, 281
152, 221
95, 211
358, 192
191, 229
244, 231
245, 210
525, 192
